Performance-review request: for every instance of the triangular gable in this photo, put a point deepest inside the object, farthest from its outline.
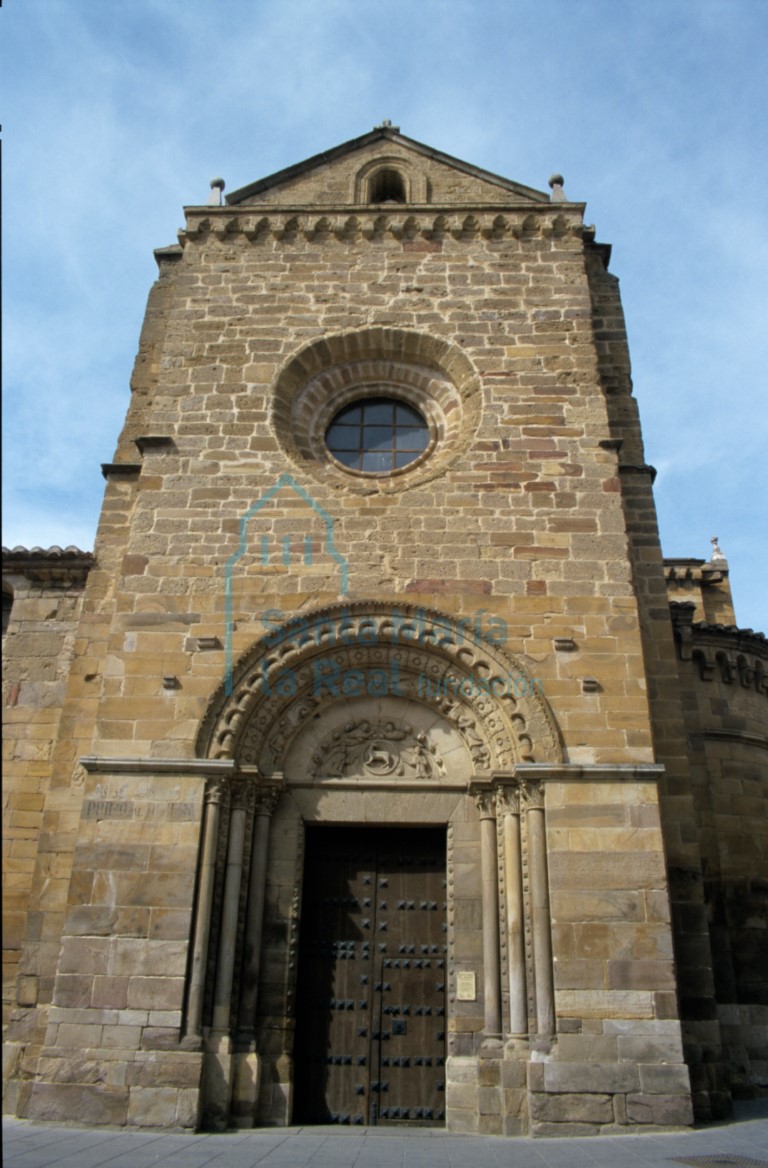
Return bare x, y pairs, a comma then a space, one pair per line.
333, 177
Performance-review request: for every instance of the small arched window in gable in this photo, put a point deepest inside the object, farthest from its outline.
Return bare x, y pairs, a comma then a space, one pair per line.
386, 186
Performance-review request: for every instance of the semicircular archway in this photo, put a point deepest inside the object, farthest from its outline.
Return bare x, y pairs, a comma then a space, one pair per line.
373, 660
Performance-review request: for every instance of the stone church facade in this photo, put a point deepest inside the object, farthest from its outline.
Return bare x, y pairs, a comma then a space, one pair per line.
375, 767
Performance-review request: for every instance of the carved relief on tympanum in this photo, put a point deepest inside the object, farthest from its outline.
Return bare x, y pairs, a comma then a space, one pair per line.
377, 750
393, 742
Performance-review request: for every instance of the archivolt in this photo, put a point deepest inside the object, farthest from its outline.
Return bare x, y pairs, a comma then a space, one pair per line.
319, 659
428, 372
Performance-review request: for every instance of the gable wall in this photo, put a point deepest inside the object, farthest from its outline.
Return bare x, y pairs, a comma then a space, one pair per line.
334, 183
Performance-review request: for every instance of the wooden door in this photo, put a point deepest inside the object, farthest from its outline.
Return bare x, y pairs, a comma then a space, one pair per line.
370, 1037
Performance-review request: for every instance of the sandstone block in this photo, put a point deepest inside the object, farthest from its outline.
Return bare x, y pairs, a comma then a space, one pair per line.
642, 973
651, 1049
73, 990
570, 1131
490, 1124
59, 1102
188, 1108
664, 1110
489, 1100
461, 1096
147, 958
592, 1078
156, 993
572, 1108
84, 955
665, 1080
461, 1070
589, 1003
462, 1120
168, 1068
110, 992
152, 1106
513, 1074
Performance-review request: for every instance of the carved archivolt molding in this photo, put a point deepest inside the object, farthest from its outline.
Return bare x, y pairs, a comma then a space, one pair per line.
378, 650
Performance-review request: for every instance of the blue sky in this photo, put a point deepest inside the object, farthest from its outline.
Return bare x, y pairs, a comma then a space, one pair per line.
117, 114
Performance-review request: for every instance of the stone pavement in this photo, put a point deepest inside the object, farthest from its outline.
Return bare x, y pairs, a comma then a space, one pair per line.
738, 1143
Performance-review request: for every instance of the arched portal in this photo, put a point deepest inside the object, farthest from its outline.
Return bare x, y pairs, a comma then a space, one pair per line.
362, 716
337, 655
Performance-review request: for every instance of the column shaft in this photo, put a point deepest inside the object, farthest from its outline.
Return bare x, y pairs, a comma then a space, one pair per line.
513, 872
203, 916
226, 963
542, 929
491, 952
254, 922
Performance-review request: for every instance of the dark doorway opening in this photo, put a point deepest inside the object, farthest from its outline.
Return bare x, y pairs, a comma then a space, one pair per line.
370, 1011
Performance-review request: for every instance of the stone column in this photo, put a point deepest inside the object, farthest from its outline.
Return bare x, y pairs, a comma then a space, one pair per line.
218, 1071
541, 920
225, 966
486, 803
266, 798
247, 1074
216, 792
509, 810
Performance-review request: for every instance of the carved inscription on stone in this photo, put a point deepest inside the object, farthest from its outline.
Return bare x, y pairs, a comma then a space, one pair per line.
127, 809
108, 809
595, 870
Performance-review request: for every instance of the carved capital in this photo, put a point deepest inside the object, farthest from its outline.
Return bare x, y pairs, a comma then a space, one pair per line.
266, 799
217, 791
533, 795
508, 798
485, 800
242, 793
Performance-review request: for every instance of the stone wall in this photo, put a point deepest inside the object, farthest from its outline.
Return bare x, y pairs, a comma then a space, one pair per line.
693, 955
523, 547
343, 178
723, 676
703, 583
38, 647
111, 1052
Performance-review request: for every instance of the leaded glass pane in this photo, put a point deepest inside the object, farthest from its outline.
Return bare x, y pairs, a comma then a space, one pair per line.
377, 435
